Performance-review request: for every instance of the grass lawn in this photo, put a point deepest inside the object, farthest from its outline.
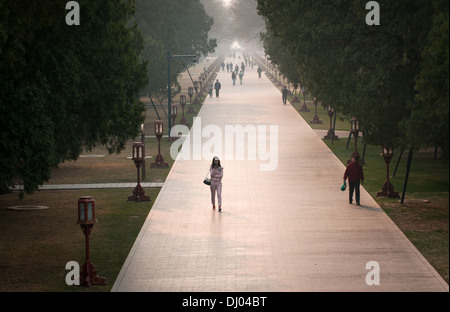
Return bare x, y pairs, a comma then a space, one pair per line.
36, 245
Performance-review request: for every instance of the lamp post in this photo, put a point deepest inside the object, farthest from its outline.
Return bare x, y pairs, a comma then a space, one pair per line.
330, 134
200, 81
196, 101
295, 99
159, 160
174, 113
86, 219
355, 131
169, 96
316, 119
183, 103
143, 150
138, 158
304, 107
190, 93
387, 189
191, 110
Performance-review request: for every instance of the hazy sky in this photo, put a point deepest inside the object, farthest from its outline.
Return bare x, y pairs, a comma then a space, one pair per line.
235, 21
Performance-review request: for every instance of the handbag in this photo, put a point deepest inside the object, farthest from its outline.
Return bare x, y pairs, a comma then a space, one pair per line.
207, 180
344, 186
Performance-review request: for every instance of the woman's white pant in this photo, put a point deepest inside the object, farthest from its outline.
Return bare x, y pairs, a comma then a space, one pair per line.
216, 186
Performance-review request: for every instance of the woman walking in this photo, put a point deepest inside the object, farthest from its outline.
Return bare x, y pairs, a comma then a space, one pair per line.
216, 172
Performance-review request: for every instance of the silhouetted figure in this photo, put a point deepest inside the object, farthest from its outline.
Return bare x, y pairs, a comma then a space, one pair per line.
217, 87
284, 93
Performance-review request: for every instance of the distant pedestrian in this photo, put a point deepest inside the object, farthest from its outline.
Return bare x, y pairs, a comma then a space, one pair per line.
241, 74
354, 173
217, 87
284, 94
259, 70
216, 172
233, 77
210, 89
228, 67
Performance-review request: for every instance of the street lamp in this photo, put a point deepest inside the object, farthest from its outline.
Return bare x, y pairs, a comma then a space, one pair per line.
183, 103
191, 110
316, 119
173, 115
200, 81
387, 189
196, 101
190, 93
330, 134
138, 158
355, 131
143, 150
86, 219
159, 160
304, 107
169, 96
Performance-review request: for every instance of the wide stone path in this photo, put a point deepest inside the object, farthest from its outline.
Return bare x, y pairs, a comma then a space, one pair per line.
285, 224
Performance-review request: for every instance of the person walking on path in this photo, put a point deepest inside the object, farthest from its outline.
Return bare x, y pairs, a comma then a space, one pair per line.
355, 175
241, 74
284, 94
216, 172
259, 70
217, 87
210, 89
233, 76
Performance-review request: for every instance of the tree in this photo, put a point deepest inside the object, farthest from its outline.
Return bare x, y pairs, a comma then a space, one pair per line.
429, 120
175, 26
65, 88
364, 71
282, 57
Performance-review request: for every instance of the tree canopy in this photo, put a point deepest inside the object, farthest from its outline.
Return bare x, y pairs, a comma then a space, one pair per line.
176, 27
67, 88
381, 74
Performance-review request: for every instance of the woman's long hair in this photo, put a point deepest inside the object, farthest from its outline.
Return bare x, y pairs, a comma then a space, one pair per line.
212, 164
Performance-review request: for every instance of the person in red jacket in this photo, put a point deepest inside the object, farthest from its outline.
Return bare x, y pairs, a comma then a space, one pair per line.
355, 175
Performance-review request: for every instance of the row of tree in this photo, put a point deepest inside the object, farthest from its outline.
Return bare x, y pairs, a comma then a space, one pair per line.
178, 27
392, 77
68, 88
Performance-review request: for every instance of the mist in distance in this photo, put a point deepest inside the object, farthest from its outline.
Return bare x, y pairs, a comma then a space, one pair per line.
236, 22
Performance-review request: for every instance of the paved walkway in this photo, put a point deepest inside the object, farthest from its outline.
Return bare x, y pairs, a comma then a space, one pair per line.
287, 229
